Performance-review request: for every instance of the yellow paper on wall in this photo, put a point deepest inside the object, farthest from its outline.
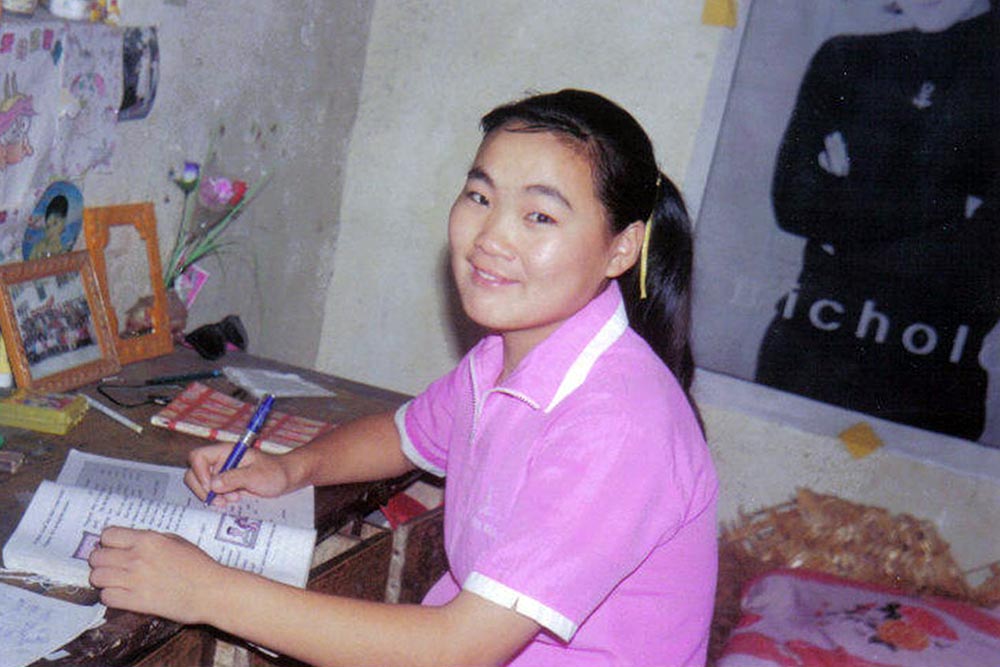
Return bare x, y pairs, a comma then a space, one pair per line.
719, 12
860, 440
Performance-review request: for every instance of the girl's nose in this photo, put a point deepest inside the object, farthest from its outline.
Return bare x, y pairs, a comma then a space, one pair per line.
494, 236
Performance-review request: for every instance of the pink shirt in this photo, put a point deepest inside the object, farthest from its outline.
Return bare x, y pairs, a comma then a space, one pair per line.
580, 493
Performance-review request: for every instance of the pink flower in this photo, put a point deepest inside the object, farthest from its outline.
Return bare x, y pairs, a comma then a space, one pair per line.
217, 192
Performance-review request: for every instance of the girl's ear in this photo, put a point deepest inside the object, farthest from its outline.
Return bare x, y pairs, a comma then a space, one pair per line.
625, 249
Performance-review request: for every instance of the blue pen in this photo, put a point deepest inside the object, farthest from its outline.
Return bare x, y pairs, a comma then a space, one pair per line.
244, 443
184, 377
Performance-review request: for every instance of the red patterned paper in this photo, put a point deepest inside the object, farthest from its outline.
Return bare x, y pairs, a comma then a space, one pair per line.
206, 413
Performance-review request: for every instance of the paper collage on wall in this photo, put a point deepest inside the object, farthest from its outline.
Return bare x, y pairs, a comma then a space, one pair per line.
849, 228
61, 92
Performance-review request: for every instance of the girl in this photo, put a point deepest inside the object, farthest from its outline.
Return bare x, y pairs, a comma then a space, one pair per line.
580, 501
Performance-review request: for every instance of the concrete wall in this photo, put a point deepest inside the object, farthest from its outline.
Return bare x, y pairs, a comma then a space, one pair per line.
433, 69
292, 68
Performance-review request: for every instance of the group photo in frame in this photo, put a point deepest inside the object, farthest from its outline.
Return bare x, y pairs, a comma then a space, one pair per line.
848, 232
54, 323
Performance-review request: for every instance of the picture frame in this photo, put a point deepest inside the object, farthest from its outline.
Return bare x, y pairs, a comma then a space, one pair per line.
123, 280
54, 323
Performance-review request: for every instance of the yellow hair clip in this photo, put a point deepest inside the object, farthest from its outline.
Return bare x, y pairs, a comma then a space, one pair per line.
644, 255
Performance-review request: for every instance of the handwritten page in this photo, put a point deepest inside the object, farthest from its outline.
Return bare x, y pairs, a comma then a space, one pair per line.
33, 625
64, 520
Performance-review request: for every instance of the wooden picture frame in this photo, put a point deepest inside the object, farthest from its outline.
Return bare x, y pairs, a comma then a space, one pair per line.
98, 225
55, 324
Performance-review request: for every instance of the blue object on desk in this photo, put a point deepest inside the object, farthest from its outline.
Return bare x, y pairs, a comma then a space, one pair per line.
184, 377
244, 443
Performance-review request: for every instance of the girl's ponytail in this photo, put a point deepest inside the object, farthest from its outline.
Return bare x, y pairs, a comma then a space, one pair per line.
663, 316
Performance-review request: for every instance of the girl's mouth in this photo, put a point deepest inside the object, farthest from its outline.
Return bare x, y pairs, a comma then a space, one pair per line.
483, 277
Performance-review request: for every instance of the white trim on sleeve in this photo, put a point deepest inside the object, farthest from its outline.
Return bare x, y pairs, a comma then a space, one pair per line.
508, 598
409, 450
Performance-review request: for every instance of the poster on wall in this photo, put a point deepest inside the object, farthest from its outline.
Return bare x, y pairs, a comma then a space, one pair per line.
848, 238
62, 87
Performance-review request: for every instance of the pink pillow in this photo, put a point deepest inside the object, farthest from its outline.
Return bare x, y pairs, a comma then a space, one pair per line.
800, 618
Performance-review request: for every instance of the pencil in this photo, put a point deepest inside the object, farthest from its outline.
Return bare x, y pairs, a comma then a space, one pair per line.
120, 418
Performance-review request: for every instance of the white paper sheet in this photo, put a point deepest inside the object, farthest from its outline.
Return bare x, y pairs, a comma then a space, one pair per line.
259, 381
33, 626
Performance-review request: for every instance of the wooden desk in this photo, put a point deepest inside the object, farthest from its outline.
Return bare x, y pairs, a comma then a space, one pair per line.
128, 638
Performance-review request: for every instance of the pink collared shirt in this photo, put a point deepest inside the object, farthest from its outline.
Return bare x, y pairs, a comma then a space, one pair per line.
579, 493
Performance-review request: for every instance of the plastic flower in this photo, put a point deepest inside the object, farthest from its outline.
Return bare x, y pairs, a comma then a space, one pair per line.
219, 193
188, 179
239, 191
207, 216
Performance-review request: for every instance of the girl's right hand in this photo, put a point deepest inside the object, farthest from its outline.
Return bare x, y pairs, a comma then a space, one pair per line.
258, 473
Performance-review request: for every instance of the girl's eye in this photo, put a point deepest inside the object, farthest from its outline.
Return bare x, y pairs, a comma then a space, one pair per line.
541, 218
478, 198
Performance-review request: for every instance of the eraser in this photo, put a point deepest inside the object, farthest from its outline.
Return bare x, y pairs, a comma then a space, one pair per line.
10, 461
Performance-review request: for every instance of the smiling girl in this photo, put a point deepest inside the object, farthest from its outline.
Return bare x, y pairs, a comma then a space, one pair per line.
580, 496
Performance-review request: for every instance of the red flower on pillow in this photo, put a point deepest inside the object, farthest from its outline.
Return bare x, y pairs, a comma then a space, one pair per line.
927, 621
900, 634
911, 628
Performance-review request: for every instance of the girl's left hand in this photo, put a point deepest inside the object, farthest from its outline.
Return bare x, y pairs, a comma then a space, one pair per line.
154, 573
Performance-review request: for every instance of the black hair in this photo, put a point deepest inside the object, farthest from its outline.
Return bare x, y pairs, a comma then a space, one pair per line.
631, 187
58, 205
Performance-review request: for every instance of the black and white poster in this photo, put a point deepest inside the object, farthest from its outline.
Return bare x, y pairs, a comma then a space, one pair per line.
848, 238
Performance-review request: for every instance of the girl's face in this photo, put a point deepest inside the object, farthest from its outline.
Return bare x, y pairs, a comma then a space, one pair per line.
530, 242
